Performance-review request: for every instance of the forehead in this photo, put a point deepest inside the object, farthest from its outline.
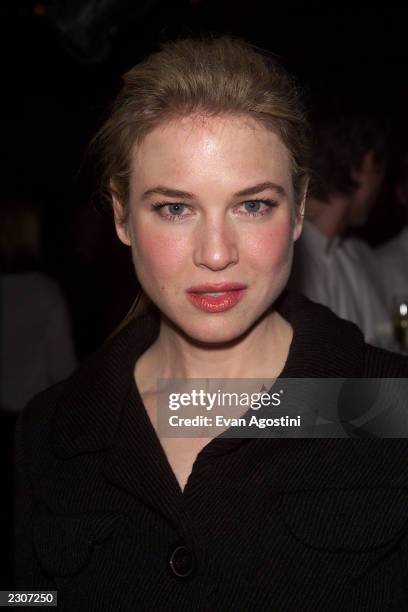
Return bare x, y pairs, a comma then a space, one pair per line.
230, 151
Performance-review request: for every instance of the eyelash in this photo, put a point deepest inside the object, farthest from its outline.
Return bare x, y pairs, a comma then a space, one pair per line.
161, 205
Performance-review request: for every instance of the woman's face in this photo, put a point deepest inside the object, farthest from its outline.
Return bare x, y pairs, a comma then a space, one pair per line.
211, 212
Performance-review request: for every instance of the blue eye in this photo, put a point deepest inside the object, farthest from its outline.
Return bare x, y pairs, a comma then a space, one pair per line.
253, 206
169, 211
258, 208
176, 209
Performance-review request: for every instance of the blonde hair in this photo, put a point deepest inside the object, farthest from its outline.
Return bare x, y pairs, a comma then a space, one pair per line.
211, 76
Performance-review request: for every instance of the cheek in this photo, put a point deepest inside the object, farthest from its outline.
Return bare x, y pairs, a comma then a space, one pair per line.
270, 248
158, 254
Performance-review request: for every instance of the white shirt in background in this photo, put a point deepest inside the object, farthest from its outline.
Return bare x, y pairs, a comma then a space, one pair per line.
393, 257
345, 278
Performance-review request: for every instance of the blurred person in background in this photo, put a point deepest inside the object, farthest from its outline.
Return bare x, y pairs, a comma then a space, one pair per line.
348, 167
393, 254
36, 346
393, 259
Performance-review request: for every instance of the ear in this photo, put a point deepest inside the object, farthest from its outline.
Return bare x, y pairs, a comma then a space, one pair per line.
121, 227
300, 213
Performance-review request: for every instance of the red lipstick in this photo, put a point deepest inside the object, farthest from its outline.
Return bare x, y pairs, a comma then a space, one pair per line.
216, 297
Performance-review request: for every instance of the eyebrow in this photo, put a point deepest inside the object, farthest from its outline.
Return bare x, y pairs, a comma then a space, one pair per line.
248, 191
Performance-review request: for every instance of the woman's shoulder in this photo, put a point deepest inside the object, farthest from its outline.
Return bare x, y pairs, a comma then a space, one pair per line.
33, 435
379, 363
91, 398
42, 406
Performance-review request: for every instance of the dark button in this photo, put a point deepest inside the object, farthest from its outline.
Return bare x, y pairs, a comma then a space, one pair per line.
182, 562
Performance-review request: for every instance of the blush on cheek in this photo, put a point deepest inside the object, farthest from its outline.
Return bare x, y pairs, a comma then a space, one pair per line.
270, 248
160, 255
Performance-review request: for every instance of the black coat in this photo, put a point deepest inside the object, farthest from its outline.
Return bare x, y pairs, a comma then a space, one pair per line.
262, 524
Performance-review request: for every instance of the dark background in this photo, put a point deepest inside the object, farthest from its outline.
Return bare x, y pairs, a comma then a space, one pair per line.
62, 62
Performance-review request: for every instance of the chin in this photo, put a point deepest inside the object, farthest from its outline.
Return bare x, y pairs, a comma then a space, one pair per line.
220, 331
214, 329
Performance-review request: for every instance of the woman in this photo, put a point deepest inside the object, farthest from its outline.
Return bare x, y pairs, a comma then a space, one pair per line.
206, 166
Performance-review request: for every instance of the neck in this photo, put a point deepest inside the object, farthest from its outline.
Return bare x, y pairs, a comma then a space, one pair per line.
329, 216
261, 353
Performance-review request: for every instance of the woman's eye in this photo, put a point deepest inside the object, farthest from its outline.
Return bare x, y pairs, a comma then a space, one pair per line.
175, 209
258, 208
252, 206
169, 211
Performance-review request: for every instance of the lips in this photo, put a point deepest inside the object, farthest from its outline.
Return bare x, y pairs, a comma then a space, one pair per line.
216, 288
216, 297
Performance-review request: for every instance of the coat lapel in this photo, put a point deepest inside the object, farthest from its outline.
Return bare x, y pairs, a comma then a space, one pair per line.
137, 463
100, 410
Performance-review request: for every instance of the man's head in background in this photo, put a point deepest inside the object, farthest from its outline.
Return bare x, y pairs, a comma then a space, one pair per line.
348, 160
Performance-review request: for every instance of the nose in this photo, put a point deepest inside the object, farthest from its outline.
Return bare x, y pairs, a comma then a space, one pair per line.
216, 246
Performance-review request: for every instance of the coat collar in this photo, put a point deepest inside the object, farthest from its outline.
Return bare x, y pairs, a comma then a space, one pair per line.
93, 400
89, 409
101, 410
